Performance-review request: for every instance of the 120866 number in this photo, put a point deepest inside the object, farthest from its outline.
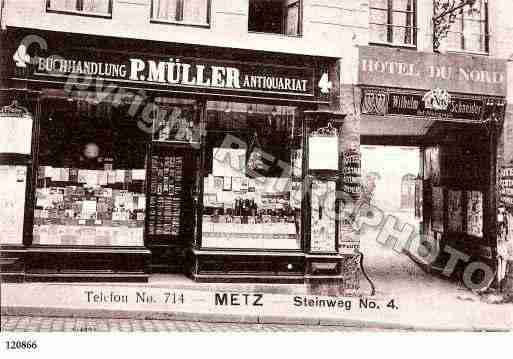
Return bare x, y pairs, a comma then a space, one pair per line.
21, 344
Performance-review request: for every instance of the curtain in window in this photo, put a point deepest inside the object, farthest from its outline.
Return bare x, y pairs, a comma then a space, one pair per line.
292, 17
468, 33
63, 4
167, 9
474, 28
195, 11
379, 20
402, 21
189, 11
98, 6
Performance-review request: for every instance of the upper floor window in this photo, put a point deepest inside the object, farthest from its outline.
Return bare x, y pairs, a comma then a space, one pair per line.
275, 16
91, 7
188, 12
393, 22
470, 30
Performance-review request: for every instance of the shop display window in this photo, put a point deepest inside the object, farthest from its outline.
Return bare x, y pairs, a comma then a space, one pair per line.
91, 180
252, 191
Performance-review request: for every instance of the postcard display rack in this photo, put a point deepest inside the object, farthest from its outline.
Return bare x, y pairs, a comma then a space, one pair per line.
15, 156
324, 176
454, 191
173, 160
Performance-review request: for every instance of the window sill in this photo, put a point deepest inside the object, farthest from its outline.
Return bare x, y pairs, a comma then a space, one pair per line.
392, 44
463, 52
80, 13
273, 34
181, 23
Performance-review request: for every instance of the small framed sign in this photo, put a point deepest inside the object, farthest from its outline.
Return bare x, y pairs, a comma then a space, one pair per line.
15, 129
323, 149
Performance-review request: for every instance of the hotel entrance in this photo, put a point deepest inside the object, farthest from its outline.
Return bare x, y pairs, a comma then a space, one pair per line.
443, 112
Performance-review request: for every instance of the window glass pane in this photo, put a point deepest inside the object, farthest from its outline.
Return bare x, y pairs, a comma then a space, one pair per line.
274, 16
195, 11
90, 187
252, 189
292, 19
95, 6
382, 4
378, 33
100, 6
402, 30
167, 9
474, 42
454, 40
404, 5
378, 17
63, 4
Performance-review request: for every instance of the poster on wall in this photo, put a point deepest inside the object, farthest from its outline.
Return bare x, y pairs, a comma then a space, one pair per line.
505, 215
12, 203
418, 198
475, 213
15, 130
438, 209
432, 164
455, 211
323, 217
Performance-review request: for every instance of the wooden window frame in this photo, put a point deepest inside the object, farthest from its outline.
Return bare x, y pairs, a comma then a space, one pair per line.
78, 12
156, 20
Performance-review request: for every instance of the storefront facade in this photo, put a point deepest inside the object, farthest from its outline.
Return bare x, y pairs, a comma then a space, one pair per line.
151, 158
452, 108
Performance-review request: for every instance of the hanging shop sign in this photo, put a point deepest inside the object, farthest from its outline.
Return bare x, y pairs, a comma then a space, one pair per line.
437, 103
387, 67
83, 69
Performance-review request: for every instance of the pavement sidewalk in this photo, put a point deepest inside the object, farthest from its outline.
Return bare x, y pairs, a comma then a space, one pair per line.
178, 298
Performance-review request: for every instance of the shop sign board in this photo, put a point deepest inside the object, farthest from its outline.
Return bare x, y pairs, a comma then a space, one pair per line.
429, 104
420, 105
457, 73
93, 68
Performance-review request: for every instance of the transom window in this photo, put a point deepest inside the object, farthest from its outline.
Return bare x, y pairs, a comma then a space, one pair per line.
393, 22
187, 12
470, 31
91, 7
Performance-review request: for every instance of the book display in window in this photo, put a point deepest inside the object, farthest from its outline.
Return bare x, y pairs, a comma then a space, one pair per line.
89, 207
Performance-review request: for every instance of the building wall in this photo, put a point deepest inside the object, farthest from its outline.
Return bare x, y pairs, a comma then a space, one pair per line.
327, 23
332, 28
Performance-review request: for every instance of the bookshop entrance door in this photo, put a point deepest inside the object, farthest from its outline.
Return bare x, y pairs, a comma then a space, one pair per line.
173, 188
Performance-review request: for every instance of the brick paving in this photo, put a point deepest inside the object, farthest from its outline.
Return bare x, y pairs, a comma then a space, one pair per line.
60, 324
